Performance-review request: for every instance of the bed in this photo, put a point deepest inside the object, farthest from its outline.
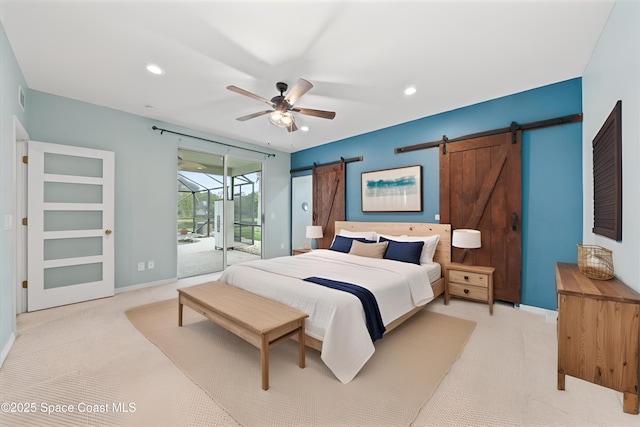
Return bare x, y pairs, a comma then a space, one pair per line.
336, 325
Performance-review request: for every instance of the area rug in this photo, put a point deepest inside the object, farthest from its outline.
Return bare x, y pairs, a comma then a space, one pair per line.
395, 383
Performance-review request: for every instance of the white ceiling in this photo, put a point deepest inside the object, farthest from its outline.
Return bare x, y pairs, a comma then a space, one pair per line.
359, 56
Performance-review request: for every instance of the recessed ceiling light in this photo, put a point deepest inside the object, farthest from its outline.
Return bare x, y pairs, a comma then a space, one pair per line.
304, 128
410, 90
155, 69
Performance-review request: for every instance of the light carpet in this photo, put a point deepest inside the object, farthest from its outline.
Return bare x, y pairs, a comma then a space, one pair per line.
406, 368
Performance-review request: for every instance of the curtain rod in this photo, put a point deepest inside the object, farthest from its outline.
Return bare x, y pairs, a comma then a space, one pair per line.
573, 118
342, 160
210, 140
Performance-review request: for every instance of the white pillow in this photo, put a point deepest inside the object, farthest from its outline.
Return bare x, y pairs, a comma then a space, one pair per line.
428, 250
369, 235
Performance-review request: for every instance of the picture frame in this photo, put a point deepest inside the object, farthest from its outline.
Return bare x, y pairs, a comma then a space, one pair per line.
392, 190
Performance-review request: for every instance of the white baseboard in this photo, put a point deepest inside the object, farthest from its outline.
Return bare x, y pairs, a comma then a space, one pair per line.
145, 285
551, 315
188, 281
7, 348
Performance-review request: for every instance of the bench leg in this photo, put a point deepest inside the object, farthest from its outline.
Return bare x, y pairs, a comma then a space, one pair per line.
630, 403
264, 361
301, 346
560, 380
179, 311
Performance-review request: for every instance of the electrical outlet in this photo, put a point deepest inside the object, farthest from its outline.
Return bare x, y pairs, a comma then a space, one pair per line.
141, 266
437, 217
151, 265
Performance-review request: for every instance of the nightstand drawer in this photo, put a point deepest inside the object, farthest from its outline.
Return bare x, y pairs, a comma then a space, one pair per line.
467, 291
468, 278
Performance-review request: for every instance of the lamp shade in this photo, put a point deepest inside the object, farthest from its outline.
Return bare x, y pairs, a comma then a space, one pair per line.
314, 232
466, 238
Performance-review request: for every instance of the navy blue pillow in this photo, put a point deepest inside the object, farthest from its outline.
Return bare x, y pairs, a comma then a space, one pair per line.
343, 244
403, 251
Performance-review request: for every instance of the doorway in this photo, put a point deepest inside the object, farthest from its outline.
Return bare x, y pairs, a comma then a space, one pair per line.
219, 212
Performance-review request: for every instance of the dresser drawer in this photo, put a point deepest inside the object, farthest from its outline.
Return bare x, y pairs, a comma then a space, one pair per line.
468, 278
467, 291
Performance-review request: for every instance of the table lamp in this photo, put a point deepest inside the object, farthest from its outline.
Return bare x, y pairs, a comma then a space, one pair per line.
314, 232
466, 239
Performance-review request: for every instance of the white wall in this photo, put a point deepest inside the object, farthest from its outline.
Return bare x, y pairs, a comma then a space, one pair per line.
613, 74
145, 184
10, 78
301, 192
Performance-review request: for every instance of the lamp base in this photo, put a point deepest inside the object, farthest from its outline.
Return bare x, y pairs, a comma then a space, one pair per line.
466, 259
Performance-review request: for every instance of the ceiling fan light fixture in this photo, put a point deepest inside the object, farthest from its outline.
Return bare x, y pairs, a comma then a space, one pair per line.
280, 119
154, 69
411, 90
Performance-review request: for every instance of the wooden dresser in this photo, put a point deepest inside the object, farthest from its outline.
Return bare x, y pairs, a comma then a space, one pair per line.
598, 333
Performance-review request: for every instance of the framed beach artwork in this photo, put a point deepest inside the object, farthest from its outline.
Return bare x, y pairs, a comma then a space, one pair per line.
392, 190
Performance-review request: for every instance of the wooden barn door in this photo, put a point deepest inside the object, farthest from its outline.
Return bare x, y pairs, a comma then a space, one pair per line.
480, 188
328, 199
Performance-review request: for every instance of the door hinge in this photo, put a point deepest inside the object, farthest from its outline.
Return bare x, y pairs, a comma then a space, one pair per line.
25, 284
24, 221
25, 160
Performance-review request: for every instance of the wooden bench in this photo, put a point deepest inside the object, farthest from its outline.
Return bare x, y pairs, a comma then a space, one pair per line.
261, 322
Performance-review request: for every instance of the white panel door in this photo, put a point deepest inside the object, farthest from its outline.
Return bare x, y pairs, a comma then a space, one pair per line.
70, 242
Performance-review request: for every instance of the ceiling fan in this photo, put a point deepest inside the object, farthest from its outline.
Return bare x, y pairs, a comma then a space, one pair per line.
282, 106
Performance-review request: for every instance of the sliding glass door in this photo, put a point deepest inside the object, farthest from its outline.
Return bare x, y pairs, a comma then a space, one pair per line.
219, 212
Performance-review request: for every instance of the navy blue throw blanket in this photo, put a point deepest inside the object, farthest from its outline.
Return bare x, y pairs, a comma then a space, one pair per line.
369, 304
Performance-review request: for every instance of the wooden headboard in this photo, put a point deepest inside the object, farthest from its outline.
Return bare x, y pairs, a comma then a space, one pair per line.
443, 250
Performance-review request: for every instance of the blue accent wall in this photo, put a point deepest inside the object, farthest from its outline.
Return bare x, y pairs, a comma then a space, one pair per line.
551, 173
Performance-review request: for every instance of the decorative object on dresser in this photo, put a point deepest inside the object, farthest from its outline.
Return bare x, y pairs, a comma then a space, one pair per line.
598, 333
314, 232
466, 239
469, 282
595, 262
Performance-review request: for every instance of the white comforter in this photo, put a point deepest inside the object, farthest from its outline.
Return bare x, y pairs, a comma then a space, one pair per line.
335, 317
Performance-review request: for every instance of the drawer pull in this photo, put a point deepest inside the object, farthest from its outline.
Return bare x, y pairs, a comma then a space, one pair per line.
466, 277
466, 291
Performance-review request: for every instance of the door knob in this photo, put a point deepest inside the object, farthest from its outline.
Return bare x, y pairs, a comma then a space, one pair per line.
107, 232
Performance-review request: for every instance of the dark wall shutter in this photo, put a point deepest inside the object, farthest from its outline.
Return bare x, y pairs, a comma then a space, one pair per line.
607, 177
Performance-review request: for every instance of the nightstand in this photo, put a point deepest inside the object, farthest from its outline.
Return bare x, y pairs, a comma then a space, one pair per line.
300, 251
469, 282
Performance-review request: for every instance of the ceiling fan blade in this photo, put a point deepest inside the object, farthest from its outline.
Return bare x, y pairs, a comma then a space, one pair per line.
251, 116
301, 87
316, 113
236, 89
